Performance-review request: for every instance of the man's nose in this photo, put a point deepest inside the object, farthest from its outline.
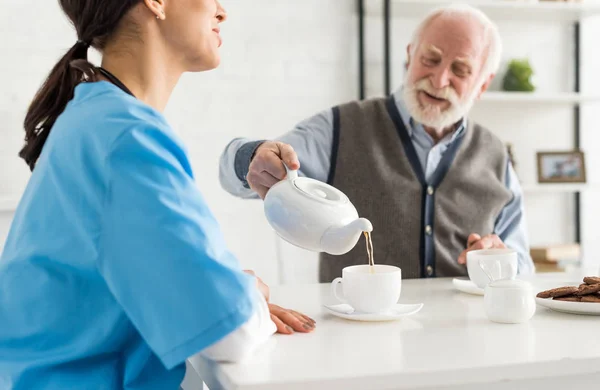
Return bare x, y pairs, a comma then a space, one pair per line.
440, 78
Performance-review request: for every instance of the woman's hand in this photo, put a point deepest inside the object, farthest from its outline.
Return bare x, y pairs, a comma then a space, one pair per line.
262, 287
288, 321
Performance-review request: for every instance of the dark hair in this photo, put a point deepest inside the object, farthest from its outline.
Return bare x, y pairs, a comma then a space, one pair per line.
95, 21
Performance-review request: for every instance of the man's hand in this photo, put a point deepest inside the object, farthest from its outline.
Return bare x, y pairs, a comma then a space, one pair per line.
475, 241
266, 167
288, 321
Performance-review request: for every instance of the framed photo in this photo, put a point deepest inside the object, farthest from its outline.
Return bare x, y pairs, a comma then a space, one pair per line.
561, 167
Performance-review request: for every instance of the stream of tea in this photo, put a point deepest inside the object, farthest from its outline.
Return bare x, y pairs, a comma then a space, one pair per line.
370, 252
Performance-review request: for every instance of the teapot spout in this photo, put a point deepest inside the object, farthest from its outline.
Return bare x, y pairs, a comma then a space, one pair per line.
341, 239
362, 224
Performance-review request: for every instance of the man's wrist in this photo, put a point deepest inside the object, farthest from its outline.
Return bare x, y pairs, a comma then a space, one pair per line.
243, 157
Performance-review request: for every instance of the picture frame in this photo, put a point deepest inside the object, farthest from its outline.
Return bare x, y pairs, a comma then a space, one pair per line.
561, 167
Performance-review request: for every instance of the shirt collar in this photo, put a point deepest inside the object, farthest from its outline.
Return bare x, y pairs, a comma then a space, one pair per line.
413, 126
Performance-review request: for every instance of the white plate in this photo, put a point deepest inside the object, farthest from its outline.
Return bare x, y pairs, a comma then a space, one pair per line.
466, 286
398, 311
589, 308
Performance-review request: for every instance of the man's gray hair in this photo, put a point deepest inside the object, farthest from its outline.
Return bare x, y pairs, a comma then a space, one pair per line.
491, 34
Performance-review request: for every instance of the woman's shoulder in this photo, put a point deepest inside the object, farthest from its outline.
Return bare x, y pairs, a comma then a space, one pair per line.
101, 114
105, 103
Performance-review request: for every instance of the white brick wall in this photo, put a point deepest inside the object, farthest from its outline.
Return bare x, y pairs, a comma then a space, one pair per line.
282, 61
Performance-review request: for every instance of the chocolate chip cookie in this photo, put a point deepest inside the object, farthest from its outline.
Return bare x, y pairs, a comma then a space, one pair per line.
592, 280
558, 292
588, 289
591, 298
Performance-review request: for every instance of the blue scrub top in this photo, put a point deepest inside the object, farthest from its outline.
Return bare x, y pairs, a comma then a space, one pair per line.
114, 270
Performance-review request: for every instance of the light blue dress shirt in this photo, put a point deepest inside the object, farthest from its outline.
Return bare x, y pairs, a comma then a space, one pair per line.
114, 271
312, 140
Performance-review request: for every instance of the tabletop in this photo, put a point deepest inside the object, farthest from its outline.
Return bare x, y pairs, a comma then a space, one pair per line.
450, 341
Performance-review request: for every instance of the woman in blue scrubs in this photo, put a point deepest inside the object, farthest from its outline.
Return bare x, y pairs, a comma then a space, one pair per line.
115, 271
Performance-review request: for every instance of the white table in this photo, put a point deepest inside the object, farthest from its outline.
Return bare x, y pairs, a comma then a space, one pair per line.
448, 344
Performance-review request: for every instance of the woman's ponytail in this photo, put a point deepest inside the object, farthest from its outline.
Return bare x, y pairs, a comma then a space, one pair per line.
52, 98
95, 21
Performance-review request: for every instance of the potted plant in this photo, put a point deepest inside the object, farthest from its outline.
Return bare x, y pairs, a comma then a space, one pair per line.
518, 76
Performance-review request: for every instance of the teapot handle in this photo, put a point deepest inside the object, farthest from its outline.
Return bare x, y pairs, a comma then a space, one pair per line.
292, 174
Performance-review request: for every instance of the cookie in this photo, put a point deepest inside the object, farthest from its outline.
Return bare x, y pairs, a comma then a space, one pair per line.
588, 289
592, 280
558, 292
591, 298
569, 298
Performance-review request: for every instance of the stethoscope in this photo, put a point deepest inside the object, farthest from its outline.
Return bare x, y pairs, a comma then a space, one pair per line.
113, 79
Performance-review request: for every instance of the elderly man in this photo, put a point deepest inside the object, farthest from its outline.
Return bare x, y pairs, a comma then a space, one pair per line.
433, 183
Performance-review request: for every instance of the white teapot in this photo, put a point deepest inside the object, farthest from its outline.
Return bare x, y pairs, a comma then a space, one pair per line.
314, 215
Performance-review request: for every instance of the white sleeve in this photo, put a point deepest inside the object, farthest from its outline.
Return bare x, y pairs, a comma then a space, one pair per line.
244, 341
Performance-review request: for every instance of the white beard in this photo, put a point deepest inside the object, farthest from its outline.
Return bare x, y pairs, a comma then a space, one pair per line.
431, 115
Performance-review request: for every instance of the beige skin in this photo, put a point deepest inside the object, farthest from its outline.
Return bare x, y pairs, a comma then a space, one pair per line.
155, 44
451, 53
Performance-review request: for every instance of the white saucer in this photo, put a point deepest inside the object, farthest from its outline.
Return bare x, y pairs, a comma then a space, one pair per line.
398, 311
588, 308
466, 286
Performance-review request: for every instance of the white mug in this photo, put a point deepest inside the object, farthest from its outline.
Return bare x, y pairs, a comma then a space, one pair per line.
369, 290
496, 264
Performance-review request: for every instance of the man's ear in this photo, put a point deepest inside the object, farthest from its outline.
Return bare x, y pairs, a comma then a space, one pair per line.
408, 57
485, 85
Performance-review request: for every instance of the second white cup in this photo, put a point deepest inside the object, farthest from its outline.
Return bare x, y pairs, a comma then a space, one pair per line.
495, 263
369, 291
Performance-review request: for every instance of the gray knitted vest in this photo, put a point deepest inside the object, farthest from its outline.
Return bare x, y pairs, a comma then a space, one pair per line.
418, 226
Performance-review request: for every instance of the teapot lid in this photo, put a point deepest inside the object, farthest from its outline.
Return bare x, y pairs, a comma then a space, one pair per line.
321, 191
511, 283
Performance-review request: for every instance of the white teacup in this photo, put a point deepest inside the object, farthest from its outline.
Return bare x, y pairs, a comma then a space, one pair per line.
367, 291
497, 264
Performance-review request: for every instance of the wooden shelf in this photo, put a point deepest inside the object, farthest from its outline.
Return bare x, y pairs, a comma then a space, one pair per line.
537, 97
496, 9
558, 187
